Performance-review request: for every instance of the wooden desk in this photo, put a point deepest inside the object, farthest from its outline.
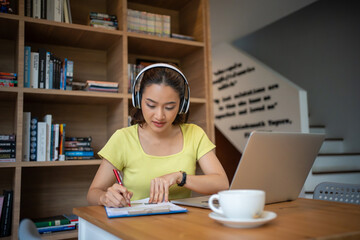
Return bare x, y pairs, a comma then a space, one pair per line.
300, 219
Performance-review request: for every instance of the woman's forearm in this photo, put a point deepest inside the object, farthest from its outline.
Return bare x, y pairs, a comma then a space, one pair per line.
207, 184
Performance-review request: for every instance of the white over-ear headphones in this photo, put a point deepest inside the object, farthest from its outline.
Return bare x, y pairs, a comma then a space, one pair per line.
136, 95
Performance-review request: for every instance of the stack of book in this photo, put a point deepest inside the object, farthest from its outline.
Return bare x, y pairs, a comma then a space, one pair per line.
102, 86
7, 147
6, 208
148, 23
133, 71
42, 69
56, 223
103, 20
181, 36
43, 140
78, 148
8, 79
54, 10
7, 6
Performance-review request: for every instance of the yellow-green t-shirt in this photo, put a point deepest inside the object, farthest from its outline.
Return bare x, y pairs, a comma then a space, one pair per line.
124, 151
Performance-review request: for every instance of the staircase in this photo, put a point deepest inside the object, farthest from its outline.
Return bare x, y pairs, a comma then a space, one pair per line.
332, 164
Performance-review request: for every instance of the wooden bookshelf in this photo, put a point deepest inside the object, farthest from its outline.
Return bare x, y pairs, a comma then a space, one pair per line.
50, 188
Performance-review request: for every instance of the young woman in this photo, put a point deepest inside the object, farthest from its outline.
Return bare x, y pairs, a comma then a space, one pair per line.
159, 152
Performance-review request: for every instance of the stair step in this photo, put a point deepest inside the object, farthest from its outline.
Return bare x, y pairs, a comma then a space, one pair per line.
317, 129
332, 145
337, 163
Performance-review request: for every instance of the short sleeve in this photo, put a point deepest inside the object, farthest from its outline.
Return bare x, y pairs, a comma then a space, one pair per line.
112, 152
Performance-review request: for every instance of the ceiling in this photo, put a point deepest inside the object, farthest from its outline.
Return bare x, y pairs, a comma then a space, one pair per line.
233, 19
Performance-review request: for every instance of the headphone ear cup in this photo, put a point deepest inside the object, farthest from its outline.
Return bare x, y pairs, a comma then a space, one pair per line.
183, 106
138, 100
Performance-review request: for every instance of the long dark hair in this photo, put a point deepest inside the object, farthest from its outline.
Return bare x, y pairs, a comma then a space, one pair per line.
160, 75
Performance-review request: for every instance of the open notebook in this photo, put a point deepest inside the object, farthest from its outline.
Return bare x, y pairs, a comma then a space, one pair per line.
142, 208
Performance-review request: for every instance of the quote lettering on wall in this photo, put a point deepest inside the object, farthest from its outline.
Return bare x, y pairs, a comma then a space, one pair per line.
249, 96
251, 101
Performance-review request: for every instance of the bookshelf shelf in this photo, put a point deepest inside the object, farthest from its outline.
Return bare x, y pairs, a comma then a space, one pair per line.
60, 163
74, 35
51, 188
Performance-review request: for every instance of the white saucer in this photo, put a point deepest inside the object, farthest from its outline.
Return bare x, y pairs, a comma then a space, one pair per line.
244, 223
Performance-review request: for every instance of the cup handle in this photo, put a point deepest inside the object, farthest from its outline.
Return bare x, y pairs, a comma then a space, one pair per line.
211, 205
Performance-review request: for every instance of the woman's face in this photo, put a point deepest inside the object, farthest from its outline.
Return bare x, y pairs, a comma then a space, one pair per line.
160, 106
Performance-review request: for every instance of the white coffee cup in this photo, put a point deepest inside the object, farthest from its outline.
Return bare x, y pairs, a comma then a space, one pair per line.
239, 204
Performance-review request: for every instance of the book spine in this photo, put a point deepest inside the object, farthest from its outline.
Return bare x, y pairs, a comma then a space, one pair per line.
51, 72
69, 10
79, 153
26, 136
56, 142
28, 8
27, 63
43, 9
41, 142
57, 228
166, 26
62, 142
58, 10
50, 223
50, 10
36, 9
7, 138
79, 139
42, 67
47, 71
6, 215
48, 120
33, 139
34, 70
77, 144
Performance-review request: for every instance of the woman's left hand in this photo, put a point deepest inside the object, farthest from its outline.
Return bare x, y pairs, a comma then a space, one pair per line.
159, 189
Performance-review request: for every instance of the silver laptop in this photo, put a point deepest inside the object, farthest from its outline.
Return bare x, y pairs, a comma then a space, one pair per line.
275, 162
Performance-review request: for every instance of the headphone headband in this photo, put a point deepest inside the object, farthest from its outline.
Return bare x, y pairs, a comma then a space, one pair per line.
136, 96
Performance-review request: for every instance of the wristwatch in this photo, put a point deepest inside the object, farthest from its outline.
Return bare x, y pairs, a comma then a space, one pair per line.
183, 181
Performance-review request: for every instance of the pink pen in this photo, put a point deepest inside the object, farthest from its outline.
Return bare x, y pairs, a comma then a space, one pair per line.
118, 178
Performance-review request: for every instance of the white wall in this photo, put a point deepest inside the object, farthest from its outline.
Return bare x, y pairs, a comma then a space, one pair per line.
250, 96
318, 49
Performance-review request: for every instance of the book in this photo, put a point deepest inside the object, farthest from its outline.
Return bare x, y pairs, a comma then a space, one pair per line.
41, 142
79, 158
36, 9
8, 83
1, 204
27, 65
48, 120
79, 153
181, 36
62, 141
33, 138
142, 208
26, 136
6, 213
58, 10
51, 221
42, 67
101, 84
56, 142
34, 70
79, 139
7, 137
72, 218
47, 71
70, 226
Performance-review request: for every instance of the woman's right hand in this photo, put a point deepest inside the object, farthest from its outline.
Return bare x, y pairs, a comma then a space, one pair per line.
116, 196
